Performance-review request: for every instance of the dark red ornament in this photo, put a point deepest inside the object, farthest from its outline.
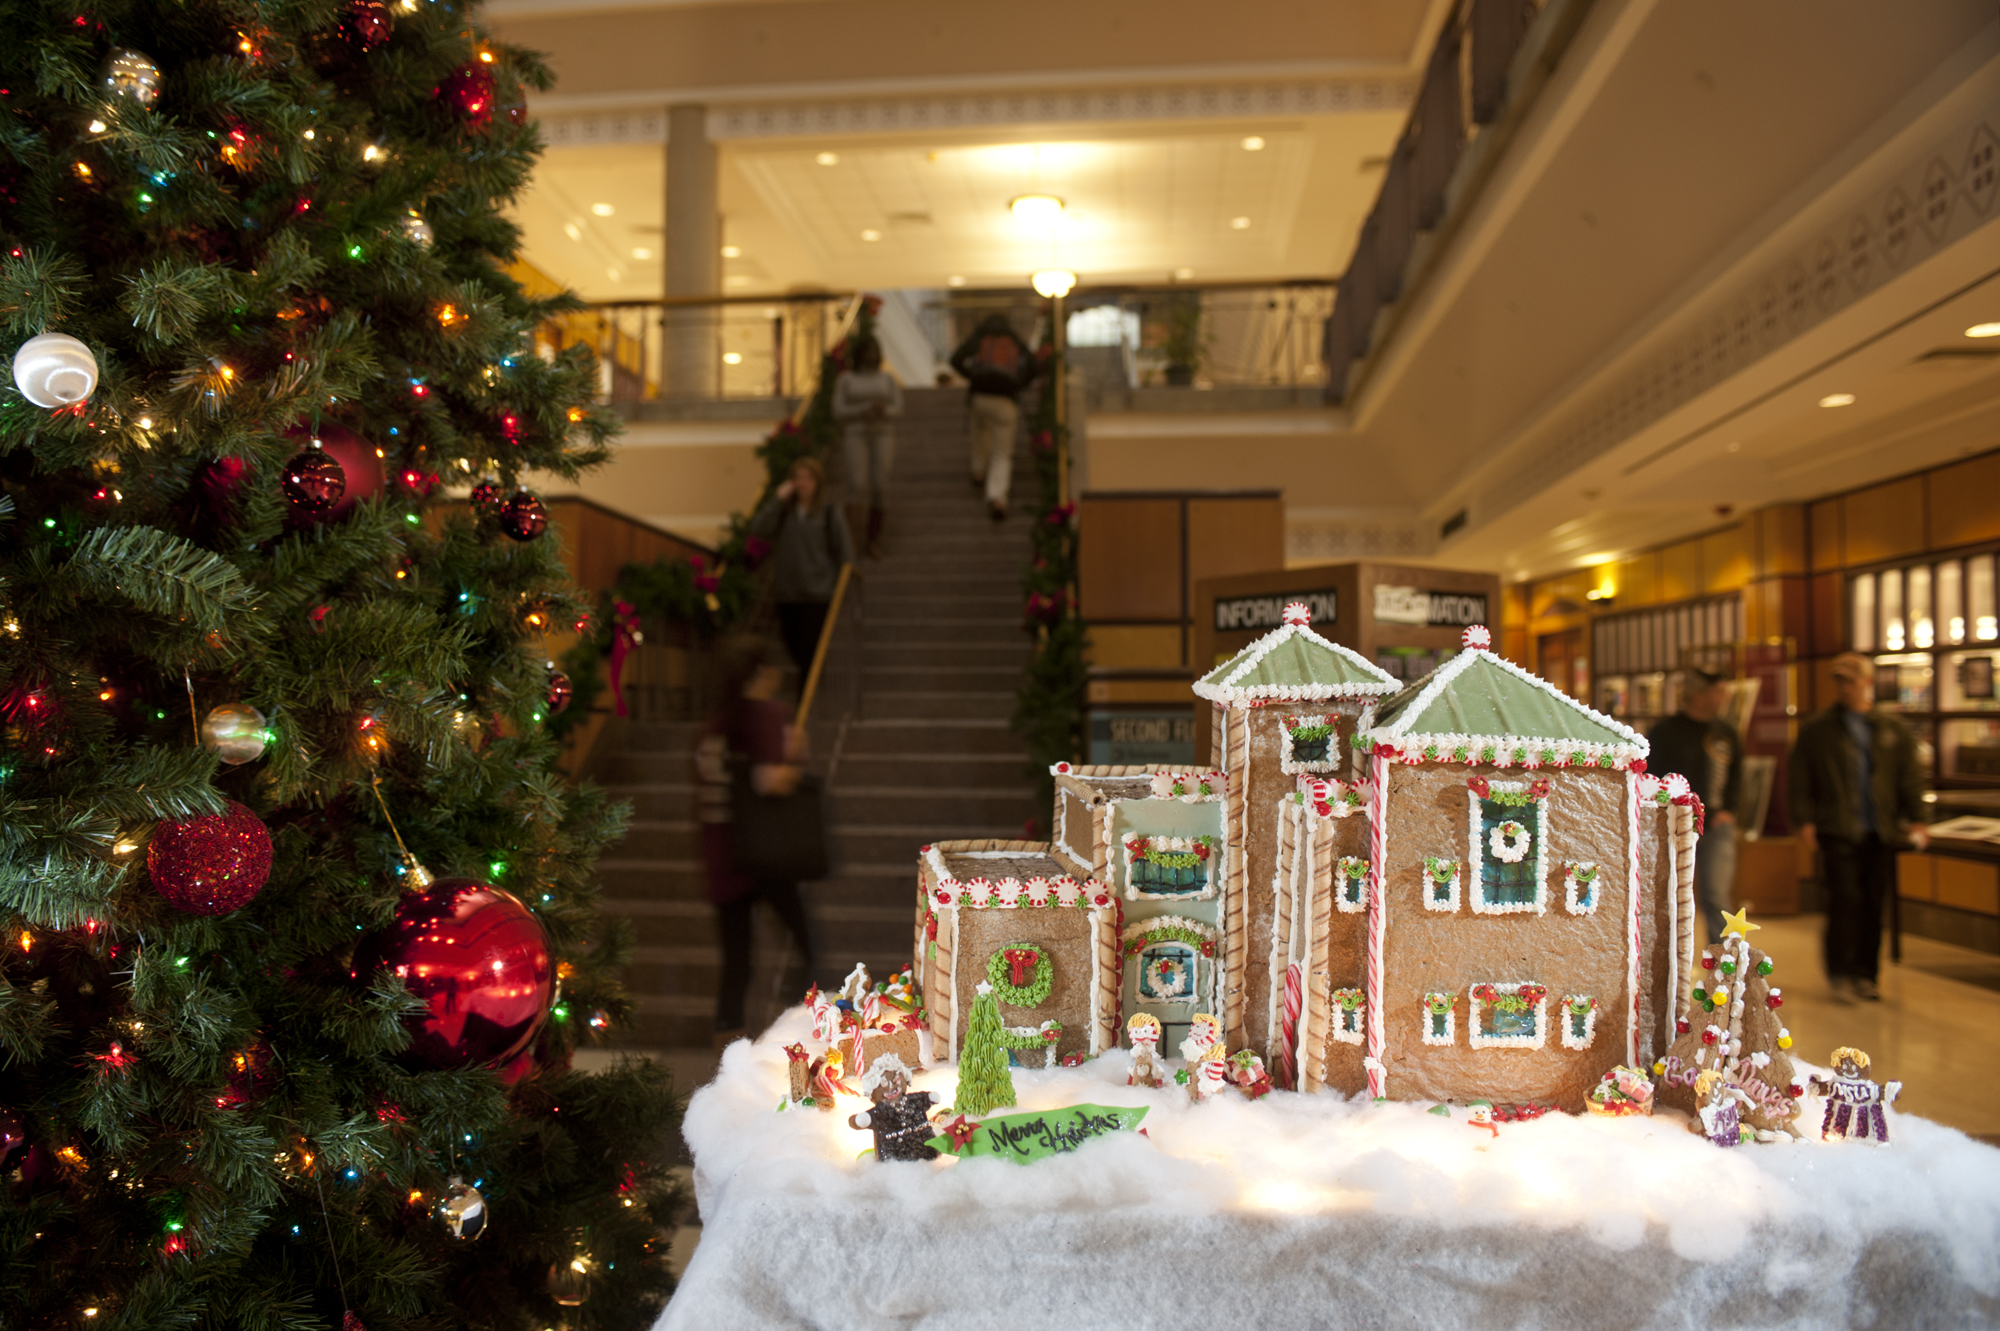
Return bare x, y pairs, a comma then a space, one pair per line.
470, 89
370, 22
560, 692
360, 466
13, 1138
480, 961
350, 1322
314, 483
523, 517
210, 865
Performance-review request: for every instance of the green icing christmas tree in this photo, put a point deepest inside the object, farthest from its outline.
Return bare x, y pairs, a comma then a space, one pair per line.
984, 1081
247, 223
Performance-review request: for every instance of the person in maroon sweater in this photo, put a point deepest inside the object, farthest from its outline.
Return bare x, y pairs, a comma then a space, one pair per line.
749, 725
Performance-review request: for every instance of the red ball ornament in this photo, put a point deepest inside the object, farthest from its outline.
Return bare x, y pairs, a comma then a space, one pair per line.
487, 497
480, 962
523, 517
314, 483
370, 22
560, 691
13, 1138
470, 89
210, 865
360, 468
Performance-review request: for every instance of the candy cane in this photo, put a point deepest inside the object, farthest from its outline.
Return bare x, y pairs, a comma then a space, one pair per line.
1638, 914
1378, 868
1294, 995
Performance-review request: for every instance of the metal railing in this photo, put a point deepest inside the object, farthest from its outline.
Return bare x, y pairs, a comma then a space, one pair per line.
742, 347
1490, 59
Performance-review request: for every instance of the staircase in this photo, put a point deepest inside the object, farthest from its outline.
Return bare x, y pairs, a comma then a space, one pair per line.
914, 745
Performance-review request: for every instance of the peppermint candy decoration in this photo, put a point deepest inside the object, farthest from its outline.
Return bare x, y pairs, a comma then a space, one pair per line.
1298, 612
1477, 637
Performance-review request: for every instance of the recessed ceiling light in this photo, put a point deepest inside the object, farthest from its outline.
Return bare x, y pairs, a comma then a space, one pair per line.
1984, 330
955, 280
573, 231
614, 274
1239, 224
828, 159
1837, 400
1253, 143
1036, 208
732, 358
1183, 274
642, 254
732, 251
871, 234
602, 209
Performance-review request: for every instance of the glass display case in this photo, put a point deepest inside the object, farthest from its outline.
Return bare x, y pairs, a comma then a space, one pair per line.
1932, 630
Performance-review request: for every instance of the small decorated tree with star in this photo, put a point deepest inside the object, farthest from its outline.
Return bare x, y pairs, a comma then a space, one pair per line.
985, 1083
1732, 1023
257, 1068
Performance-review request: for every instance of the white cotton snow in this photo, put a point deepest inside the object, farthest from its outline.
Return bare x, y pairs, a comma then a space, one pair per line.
1247, 1173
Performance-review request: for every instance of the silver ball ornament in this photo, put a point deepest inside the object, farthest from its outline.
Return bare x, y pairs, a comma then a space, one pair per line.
55, 370
130, 74
463, 1210
417, 231
236, 732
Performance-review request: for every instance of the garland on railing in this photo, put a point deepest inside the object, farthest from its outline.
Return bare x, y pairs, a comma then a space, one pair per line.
711, 595
1049, 708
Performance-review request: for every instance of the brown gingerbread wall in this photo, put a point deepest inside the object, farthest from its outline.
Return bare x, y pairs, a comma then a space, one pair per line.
1585, 819
1067, 932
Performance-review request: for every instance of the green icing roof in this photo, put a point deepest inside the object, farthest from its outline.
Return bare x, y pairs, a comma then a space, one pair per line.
1486, 697
1299, 660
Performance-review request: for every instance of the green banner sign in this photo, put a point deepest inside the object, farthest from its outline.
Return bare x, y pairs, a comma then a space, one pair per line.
1026, 1138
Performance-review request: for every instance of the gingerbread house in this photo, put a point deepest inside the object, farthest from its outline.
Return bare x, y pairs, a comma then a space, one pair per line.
1501, 908
1286, 707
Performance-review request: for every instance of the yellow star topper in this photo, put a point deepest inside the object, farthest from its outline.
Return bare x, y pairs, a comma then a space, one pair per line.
1735, 923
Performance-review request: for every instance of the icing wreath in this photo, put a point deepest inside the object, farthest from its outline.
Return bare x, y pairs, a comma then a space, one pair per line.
1021, 975
1509, 842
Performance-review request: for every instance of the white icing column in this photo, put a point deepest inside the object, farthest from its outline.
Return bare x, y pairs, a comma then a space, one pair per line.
1637, 899
1378, 919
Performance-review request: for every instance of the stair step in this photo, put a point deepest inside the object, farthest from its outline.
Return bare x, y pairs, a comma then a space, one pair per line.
965, 706
874, 737
955, 771
861, 806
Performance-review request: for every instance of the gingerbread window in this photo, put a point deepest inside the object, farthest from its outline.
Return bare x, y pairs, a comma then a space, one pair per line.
1504, 854
1510, 1016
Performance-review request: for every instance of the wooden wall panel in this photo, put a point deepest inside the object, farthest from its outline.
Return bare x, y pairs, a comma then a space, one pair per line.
1883, 521
1680, 571
1135, 646
1829, 615
1639, 580
1229, 536
1823, 534
1781, 540
1965, 502
1129, 558
1728, 558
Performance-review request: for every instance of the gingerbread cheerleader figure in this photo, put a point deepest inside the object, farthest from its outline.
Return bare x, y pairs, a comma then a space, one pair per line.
1854, 1103
1147, 1068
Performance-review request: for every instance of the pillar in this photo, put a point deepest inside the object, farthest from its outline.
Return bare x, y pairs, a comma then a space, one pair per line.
692, 359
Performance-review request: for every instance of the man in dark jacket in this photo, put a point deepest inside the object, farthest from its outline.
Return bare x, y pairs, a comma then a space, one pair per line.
1856, 793
997, 365
1697, 743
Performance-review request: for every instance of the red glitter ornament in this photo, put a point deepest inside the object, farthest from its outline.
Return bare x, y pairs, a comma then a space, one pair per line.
470, 89
370, 22
350, 1322
523, 517
480, 961
210, 865
487, 496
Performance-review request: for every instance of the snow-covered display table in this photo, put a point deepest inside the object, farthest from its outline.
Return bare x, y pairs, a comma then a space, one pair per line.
1318, 1211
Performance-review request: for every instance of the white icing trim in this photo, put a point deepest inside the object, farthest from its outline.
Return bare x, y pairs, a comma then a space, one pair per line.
1633, 785
1291, 766
1450, 1036
1378, 924
1210, 890
1577, 898
1140, 928
1340, 1015
1350, 890
1537, 843
1226, 690
1481, 1040
949, 893
1048, 1046
1570, 1040
1396, 735
1216, 786
1449, 903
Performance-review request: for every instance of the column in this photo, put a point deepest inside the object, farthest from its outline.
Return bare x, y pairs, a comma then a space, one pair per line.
692, 359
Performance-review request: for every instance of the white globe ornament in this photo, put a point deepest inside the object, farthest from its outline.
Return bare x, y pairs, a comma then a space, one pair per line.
236, 733
130, 74
55, 370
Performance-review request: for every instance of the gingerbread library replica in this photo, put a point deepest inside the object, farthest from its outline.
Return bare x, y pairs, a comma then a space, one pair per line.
1466, 888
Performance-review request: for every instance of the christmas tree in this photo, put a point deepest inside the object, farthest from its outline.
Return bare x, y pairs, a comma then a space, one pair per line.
984, 1081
260, 678
1732, 1025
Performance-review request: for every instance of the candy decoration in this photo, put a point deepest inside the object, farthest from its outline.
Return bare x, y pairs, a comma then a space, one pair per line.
560, 690
1298, 612
213, 864
463, 1210
131, 75
314, 482
480, 962
235, 731
1477, 638
1294, 999
370, 22
55, 370
416, 230
523, 517
1378, 854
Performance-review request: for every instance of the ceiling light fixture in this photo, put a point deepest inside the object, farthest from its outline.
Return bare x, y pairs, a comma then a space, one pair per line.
732, 358
1253, 143
573, 231
1036, 209
602, 209
871, 234
1837, 400
1984, 330
1239, 224
955, 280
732, 251
1183, 274
642, 254
1054, 283
828, 159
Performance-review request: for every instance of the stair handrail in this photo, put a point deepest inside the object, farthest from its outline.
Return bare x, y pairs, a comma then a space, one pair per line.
811, 686
811, 391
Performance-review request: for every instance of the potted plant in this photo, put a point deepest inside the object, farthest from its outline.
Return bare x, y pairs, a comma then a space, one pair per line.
1183, 344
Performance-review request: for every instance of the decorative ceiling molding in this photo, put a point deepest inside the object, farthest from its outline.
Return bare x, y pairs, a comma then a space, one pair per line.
1913, 210
990, 110
1325, 535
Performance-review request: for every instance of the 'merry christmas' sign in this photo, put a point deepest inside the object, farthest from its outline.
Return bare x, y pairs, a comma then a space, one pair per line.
1025, 1138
